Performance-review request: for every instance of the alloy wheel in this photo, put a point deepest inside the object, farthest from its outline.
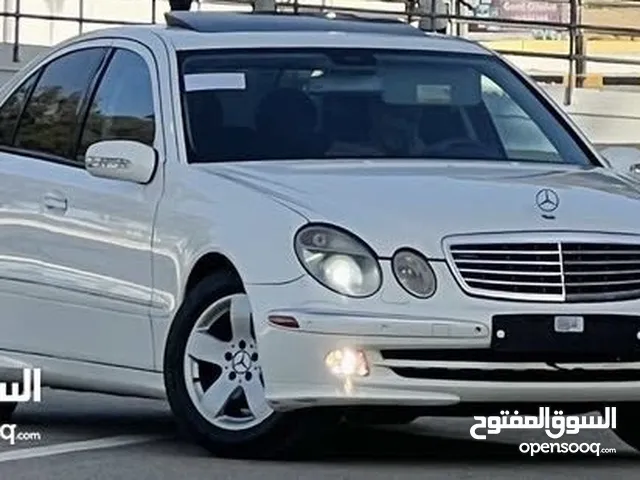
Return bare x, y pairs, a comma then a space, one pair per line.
222, 369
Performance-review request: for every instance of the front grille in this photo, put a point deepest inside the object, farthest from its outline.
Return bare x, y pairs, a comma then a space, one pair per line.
548, 271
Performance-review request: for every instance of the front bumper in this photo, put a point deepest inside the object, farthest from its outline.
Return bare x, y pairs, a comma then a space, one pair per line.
401, 335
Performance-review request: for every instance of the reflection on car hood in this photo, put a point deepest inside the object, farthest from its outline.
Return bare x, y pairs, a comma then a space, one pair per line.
393, 203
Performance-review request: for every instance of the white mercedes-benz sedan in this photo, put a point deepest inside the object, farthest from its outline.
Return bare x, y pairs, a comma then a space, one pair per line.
281, 222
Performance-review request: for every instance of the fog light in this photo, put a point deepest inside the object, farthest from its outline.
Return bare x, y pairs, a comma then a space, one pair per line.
347, 363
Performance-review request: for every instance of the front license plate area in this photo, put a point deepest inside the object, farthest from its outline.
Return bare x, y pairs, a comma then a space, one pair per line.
568, 324
583, 334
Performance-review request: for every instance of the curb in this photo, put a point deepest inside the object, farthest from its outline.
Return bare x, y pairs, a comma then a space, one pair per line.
590, 80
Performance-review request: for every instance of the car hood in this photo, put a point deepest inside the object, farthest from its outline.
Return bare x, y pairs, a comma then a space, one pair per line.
393, 204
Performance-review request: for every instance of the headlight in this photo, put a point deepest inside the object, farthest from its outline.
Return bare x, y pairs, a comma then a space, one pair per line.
414, 273
338, 260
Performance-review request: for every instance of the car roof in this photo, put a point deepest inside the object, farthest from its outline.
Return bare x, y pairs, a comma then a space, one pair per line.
205, 30
219, 22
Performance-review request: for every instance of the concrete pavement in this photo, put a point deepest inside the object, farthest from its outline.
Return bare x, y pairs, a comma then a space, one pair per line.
432, 448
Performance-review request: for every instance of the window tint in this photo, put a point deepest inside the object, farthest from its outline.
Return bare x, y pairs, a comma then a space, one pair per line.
51, 116
122, 108
365, 103
10, 111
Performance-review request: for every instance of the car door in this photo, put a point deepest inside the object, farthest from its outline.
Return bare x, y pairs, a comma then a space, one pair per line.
51, 97
18, 210
96, 233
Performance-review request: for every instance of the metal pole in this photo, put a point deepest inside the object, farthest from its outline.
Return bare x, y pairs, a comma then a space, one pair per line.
581, 63
573, 22
154, 7
432, 15
16, 34
80, 16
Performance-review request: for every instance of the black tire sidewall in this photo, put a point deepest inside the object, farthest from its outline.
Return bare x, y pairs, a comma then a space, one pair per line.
628, 425
6, 411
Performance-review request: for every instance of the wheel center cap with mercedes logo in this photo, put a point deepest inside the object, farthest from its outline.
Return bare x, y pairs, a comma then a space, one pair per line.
241, 362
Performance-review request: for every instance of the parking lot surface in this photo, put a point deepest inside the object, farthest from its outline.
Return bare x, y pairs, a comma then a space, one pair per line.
88, 436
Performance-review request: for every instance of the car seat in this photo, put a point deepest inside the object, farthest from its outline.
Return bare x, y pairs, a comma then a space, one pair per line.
286, 125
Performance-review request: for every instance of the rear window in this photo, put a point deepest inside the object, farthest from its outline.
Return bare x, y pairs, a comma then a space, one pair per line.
343, 104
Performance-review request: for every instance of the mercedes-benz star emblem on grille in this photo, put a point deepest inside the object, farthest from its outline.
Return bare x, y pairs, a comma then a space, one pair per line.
547, 200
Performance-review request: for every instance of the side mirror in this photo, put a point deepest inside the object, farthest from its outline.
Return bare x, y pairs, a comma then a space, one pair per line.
623, 159
122, 160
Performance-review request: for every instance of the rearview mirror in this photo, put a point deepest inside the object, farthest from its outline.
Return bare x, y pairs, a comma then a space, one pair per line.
122, 160
623, 159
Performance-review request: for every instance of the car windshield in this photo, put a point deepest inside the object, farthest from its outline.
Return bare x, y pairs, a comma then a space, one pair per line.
345, 103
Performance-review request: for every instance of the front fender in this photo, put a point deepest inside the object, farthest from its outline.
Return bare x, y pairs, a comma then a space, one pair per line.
252, 230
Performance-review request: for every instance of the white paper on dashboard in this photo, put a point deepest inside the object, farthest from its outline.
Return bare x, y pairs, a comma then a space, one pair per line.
215, 81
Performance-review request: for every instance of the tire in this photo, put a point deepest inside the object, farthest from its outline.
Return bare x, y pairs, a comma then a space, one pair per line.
6, 411
270, 434
628, 425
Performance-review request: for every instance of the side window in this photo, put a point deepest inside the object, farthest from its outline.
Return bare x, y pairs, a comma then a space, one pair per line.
122, 108
521, 137
50, 119
11, 110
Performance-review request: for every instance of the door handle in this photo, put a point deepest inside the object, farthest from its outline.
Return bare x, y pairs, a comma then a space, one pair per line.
55, 201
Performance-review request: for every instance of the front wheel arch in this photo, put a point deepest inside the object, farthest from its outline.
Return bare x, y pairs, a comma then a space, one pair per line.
209, 264
275, 435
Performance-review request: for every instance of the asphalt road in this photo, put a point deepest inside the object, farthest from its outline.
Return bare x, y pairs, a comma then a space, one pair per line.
431, 448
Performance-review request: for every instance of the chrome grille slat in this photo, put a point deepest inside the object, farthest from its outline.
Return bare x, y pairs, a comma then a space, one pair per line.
602, 262
512, 272
524, 284
612, 282
510, 262
600, 252
511, 252
613, 272
562, 271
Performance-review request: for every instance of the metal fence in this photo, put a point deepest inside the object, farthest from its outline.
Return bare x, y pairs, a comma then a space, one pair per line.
459, 15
